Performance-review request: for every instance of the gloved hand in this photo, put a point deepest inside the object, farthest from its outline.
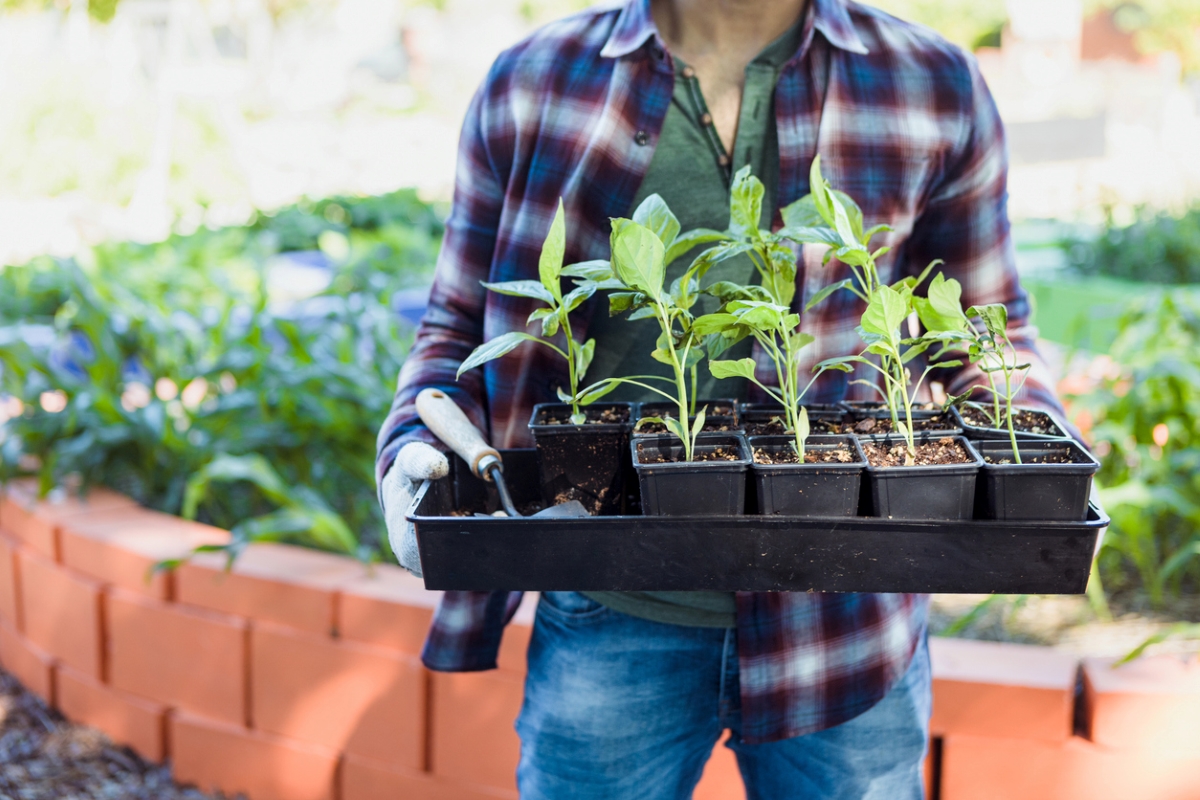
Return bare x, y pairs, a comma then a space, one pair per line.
415, 462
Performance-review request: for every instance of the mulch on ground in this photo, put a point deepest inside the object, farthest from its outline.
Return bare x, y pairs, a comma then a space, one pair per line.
45, 757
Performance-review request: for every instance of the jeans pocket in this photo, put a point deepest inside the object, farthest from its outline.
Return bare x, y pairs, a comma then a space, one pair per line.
571, 605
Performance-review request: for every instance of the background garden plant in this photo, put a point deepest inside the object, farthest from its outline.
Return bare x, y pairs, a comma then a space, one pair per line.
167, 372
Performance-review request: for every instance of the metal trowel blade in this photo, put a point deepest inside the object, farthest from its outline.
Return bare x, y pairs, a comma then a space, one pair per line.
571, 508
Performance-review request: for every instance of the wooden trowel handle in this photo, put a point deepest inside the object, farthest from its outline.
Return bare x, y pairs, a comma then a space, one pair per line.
448, 422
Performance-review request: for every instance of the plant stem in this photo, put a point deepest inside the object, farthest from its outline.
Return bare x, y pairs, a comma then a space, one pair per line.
1012, 434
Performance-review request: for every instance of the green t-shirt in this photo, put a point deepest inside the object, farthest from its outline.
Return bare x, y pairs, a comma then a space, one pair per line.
692, 172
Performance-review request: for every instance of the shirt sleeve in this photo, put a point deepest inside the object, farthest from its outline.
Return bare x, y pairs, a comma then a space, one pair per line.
965, 223
453, 323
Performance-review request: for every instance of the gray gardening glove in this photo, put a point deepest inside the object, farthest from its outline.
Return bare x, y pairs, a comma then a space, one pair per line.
415, 462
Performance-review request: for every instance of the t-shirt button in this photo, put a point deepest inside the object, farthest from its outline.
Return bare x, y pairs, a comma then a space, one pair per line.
641, 137
723, 160
688, 72
706, 118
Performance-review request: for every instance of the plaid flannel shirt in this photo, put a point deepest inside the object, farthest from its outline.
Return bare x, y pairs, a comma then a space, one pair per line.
903, 122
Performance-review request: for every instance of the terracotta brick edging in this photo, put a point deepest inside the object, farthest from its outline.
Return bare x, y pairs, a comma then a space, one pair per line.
294, 676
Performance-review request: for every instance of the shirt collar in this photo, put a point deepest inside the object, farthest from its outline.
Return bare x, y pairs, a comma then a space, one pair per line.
635, 25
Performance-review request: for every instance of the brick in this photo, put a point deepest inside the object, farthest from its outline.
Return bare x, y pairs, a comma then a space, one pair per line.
1004, 690
27, 662
194, 660
362, 779
61, 612
9, 586
122, 546
471, 727
218, 756
984, 768
721, 780
292, 586
140, 724
387, 606
35, 521
1153, 702
349, 697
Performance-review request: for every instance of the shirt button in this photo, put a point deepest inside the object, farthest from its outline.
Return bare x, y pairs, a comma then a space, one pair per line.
706, 119
688, 72
723, 160
641, 137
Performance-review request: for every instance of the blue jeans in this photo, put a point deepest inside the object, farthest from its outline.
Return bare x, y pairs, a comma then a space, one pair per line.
621, 708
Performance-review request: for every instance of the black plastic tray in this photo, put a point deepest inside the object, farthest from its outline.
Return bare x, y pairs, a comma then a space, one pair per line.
748, 553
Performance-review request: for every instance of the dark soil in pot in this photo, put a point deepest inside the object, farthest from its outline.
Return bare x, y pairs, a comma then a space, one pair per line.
875, 423
714, 484
1052, 482
721, 424
857, 409
587, 462
1028, 423
719, 407
770, 423
827, 484
940, 486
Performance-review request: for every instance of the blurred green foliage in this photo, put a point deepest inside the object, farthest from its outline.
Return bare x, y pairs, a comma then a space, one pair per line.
168, 372
1147, 436
1158, 247
1158, 26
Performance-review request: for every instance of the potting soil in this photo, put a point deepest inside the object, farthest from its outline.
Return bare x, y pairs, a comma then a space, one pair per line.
943, 451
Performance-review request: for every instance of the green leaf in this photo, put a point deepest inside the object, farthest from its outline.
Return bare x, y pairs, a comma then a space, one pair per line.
501, 345
742, 368
576, 297
802, 214
946, 297
745, 204
698, 422
594, 270
841, 223
676, 426
994, 316
563, 396
802, 234
584, 358
728, 290
654, 214
826, 291
692, 239
594, 394
550, 263
820, 193
841, 363
225, 468
885, 312
713, 323
622, 301
638, 257
662, 356
853, 213
530, 289
645, 312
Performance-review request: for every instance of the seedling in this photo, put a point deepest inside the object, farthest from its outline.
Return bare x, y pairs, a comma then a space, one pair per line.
778, 333
987, 346
636, 274
554, 316
825, 216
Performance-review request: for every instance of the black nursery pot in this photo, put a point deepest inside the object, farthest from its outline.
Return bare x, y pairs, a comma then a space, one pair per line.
1031, 490
932, 492
808, 490
589, 462
1056, 430
691, 488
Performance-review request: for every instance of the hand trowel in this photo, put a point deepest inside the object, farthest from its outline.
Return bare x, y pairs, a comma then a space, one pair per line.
447, 422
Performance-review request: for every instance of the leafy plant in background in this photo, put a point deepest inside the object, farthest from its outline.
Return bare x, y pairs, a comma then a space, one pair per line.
1147, 436
1158, 247
554, 316
167, 372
